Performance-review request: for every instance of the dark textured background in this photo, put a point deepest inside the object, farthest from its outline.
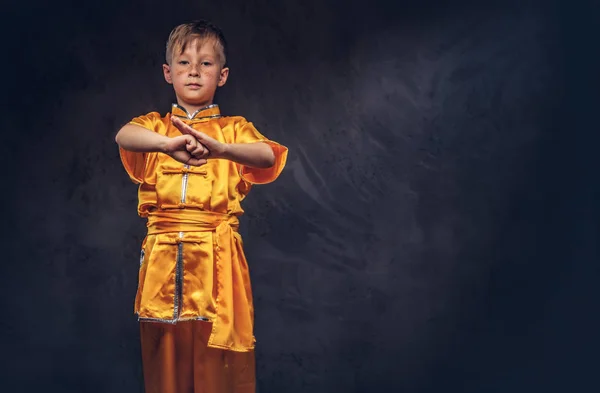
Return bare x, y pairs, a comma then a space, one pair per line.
435, 229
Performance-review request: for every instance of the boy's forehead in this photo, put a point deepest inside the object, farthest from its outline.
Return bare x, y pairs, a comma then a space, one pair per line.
204, 45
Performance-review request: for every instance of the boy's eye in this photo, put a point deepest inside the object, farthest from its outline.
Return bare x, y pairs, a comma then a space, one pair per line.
206, 63
183, 62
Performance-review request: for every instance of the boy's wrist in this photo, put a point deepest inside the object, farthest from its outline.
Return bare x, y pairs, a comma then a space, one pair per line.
163, 146
225, 151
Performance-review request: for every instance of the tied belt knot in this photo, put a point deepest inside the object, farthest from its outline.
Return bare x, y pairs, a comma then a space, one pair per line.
188, 220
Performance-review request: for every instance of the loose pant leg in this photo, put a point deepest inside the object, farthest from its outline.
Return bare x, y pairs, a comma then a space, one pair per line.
176, 359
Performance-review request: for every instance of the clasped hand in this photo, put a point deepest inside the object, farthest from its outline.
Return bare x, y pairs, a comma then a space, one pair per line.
193, 147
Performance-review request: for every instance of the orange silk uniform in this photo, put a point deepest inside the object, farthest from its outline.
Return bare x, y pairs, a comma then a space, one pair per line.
192, 264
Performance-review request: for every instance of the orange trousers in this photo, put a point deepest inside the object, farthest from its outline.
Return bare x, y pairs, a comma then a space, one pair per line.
176, 359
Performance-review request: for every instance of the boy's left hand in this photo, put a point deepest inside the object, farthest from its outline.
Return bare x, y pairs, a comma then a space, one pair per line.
215, 148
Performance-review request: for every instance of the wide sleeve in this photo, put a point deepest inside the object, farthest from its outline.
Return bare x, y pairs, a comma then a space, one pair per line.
135, 163
247, 133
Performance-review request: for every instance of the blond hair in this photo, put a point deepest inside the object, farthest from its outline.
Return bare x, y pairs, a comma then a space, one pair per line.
185, 33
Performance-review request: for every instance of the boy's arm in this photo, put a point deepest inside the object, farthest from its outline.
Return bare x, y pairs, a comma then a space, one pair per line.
256, 155
183, 148
135, 138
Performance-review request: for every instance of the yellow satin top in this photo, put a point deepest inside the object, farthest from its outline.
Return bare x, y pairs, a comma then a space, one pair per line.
192, 264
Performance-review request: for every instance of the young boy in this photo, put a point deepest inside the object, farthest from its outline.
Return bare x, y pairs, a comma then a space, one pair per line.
194, 167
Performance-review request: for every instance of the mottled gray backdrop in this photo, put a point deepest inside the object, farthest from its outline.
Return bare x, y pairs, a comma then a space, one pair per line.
434, 230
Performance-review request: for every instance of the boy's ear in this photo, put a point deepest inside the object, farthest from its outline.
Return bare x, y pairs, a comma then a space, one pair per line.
167, 73
223, 76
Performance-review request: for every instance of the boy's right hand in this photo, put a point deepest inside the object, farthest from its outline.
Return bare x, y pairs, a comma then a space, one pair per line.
187, 150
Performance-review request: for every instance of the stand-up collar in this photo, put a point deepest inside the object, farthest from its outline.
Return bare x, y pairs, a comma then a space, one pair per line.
208, 112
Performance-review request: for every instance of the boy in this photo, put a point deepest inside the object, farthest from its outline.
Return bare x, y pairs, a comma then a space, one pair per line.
194, 167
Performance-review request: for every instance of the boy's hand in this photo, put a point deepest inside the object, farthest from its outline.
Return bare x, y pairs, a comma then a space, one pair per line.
215, 148
181, 148
197, 149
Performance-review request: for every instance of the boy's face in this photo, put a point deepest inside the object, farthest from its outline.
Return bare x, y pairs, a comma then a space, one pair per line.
196, 73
